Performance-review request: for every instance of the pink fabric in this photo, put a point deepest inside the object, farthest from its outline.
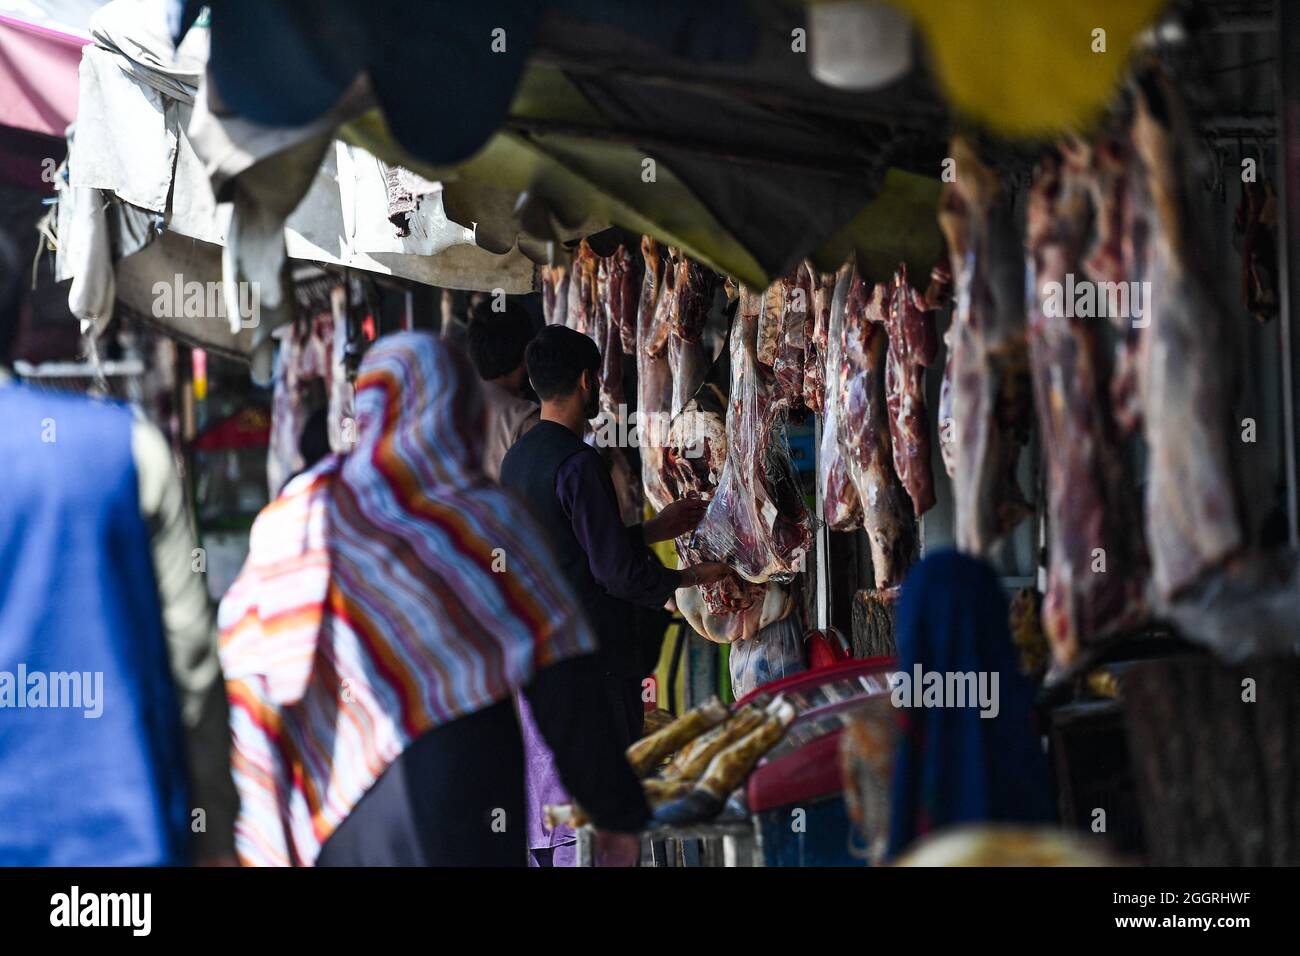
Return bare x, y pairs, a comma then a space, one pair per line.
38, 77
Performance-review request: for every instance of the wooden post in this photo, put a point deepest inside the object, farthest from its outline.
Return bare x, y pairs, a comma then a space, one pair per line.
1216, 756
873, 623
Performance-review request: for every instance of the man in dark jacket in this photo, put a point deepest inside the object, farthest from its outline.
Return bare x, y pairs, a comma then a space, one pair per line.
566, 484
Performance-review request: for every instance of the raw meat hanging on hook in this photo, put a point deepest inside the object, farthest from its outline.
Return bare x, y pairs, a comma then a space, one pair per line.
988, 374
756, 522
913, 344
1096, 565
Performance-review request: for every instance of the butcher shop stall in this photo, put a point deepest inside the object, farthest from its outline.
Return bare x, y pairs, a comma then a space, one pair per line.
979, 314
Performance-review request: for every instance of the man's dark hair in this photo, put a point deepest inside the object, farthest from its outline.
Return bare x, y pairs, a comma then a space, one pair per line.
556, 359
496, 340
12, 275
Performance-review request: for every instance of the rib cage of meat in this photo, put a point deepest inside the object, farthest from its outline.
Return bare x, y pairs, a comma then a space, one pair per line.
864, 427
840, 506
1096, 567
989, 374
582, 290
1193, 511
622, 297
913, 344
555, 294
756, 521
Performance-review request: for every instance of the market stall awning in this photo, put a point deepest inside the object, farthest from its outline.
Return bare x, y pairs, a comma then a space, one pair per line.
755, 163
38, 75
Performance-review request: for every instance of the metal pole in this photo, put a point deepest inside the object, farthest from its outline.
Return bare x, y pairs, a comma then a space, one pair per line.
1288, 180
822, 541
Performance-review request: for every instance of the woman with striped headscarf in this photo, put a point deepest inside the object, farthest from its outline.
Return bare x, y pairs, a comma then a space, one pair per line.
392, 602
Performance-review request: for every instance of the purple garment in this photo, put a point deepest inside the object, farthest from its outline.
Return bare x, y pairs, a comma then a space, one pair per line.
543, 787
617, 555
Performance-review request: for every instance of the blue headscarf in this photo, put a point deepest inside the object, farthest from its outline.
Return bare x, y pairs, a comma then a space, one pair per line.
953, 765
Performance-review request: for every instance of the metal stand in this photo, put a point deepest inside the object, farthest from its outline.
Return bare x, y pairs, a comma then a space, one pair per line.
732, 842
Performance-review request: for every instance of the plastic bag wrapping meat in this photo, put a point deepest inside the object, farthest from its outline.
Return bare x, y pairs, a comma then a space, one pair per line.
1247, 612
816, 329
990, 388
913, 344
864, 428
654, 386
1096, 569
555, 294
1187, 357
841, 509
769, 603
756, 521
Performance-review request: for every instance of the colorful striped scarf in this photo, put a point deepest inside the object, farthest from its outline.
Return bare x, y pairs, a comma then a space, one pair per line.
385, 593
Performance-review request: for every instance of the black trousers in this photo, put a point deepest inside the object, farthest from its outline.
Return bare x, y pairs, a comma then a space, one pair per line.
455, 797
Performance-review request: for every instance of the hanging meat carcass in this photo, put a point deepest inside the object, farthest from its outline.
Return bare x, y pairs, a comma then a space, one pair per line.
1193, 512
1121, 253
654, 384
989, 383
1096, 570
756, 521
788, 367
864, 426
623, 300
1256, 221
913, 344
555, 294
816, 329
840, 506
693, 290
582, 290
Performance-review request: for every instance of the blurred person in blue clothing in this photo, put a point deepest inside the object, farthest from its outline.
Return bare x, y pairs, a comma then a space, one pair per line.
114, 744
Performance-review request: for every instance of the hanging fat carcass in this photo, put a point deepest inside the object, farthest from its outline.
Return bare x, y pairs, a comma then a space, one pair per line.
756, 521
1186, 365
991, 404
913, 344
654, 384
841, 509
1096, 568
864, 427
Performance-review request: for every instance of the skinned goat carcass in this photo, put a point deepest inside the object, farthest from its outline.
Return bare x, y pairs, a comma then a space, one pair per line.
756, 521
693, 298
841, 509
555, 294
582, 290
913, 344
772, 602
1096, 568
1187, 355
654, 385
1256, 221
816, 330
1121, 253
864, 427
990, 388
788, 367
623, 297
